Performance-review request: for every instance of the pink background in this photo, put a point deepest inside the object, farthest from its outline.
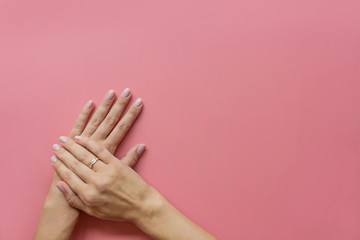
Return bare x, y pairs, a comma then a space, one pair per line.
251, 112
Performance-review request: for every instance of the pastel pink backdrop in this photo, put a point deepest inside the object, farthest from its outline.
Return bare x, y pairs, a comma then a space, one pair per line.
251, 109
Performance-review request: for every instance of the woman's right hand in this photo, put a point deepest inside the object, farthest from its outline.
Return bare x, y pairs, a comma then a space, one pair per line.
112, 190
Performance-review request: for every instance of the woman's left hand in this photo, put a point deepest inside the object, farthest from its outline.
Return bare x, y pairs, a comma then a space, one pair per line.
107, 128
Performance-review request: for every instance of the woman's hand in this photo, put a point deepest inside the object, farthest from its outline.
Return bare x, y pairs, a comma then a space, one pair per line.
58, 218
104, 126
110, 189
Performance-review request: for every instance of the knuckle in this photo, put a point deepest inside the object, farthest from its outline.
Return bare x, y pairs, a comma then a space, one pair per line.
107, 145
69, 143
132, 160
92, 211
70, 201
100, 150
111, 148
107, 103
123, 126
91, 197
101, 215
81, 121
112, 174
78, 126
134, 112
85, 141
67, 176
110, 120
102, 184
122, 102
83, 156
75, 165
95, 121
119, 171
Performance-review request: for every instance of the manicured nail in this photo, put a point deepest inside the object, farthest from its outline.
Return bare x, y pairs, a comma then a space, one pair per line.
56, 147
89, 104
78, 137
125, 93
140, 149
53, 159
63, 139
138, 102
110, 95
61, 188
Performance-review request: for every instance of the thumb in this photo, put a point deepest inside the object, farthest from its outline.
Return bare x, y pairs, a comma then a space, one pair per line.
71, 198
133, 155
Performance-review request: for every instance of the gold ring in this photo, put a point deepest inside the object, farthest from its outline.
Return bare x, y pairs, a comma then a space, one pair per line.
93, 162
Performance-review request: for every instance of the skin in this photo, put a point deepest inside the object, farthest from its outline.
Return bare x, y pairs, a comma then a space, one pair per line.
112, 190
105, 127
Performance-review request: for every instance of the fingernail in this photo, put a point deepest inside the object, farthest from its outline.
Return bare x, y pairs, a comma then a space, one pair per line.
110, 95
56, 147
138, 102
125, 93
78, 137
53, 159
61, 188
140, 149
89, 104
63, 139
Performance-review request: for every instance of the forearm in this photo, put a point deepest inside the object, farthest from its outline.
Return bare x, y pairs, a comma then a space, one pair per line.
161, 221
57, 219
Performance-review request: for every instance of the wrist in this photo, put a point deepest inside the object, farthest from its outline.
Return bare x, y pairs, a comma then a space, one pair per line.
56, 211
57, 219
55, 201
56, 206
150, 209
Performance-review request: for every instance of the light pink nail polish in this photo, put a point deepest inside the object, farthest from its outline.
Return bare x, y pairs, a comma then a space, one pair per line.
61, 188
89, 104
138, 102
125, 93
53, 159
63, 139
56, 147
78, 137
110, 95
140, 149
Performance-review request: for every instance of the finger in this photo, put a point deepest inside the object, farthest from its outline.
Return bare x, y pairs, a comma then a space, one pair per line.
74, 165
71, 198
124, 125
76, 184
80, 153
98, 150
113, 116
99, 114
133, 155
82, 119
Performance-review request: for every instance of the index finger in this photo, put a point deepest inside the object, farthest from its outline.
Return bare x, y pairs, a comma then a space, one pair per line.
76, 184
82, 119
